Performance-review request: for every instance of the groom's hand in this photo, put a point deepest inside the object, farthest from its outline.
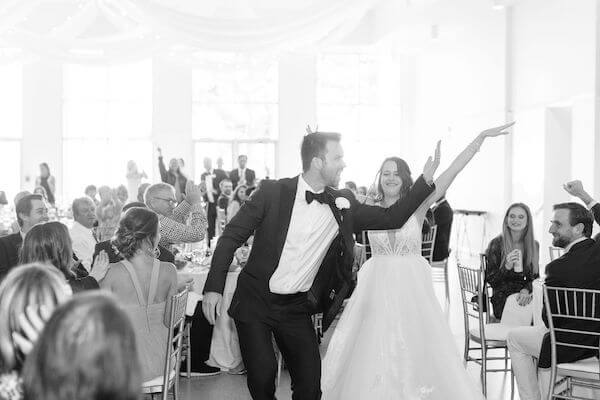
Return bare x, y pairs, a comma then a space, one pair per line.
211, 306
432, 165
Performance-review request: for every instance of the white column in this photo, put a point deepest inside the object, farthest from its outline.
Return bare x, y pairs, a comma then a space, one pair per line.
172, 114
42, 123
557, 166
297, 108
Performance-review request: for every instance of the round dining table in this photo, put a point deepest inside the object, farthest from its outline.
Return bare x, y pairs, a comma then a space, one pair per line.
225, 347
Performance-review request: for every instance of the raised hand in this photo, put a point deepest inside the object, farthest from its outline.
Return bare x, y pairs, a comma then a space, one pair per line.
193, 193
575, 188
497, 131
100, 267
159, 151
432, 164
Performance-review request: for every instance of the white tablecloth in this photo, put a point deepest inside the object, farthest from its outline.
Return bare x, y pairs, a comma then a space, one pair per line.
225, 347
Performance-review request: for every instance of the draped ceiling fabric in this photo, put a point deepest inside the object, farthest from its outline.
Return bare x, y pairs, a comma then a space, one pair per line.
112, 31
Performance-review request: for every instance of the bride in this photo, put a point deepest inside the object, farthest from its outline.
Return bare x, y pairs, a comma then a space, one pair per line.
392, 340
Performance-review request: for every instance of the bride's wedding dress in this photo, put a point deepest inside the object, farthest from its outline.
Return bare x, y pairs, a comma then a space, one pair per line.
393, 341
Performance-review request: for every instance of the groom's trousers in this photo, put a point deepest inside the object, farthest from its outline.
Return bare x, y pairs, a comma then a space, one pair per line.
289, 323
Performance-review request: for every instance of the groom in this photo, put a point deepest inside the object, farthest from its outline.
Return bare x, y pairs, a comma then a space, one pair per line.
300, 263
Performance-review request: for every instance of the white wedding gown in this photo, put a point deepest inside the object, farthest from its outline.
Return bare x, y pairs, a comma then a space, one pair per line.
392, 340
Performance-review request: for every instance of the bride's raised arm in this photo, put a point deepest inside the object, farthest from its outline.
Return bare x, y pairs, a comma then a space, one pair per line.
460, 162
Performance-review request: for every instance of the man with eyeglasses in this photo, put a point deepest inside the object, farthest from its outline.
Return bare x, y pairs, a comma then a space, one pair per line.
179, 223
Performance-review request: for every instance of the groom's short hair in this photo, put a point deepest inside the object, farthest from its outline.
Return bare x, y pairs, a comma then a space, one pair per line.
314, 144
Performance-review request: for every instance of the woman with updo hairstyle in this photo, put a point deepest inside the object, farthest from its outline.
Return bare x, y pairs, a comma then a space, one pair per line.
87, 351
50, 243
143, 285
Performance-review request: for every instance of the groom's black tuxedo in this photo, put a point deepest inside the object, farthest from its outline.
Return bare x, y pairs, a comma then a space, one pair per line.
267, 215
261, 315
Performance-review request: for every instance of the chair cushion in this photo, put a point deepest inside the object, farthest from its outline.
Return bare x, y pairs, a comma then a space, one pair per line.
155, 385
495, 332
589, 365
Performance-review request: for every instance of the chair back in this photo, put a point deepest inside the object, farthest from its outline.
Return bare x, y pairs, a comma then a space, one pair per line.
175, 341
574, 305
487, 288
428, 244
471, 280
555, 252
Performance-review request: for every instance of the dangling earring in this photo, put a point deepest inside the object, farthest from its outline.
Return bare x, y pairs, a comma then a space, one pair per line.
156, 252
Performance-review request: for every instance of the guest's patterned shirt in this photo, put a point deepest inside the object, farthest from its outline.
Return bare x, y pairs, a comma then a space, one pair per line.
188, 224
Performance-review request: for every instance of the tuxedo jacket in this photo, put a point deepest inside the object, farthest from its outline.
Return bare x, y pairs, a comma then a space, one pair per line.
577, 268
113, 257
267, 215
443, 216
250, 176
9, 252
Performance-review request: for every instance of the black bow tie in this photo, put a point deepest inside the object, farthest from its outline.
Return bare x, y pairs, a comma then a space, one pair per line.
320, 197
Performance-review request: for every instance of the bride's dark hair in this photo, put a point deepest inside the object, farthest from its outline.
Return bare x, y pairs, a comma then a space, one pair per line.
403, 172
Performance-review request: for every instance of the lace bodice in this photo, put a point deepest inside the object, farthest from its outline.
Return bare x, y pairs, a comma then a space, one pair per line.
403, 241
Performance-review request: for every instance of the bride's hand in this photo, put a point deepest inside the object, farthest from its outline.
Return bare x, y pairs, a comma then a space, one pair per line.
497, 131
432, 164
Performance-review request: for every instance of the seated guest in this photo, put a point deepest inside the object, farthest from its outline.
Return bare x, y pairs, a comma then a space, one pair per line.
91, 191
442, 217
114, 256
143, 285
362, 190
82, 235
238, 200
28, 294
226, 188
122, 193
50, 243
15, 228
185, 223
108, 213
513, 259
30, 209
87, 351
571, 227
352, 187
141, 191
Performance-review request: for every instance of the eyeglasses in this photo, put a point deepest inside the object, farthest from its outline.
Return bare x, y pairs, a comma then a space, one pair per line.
170, 201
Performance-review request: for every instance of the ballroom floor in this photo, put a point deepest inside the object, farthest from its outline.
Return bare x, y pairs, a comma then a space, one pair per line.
231, 387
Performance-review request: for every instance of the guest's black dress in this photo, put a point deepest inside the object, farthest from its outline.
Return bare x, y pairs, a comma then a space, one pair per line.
505, 282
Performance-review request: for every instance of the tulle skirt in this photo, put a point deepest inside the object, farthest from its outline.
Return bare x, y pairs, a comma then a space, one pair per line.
393, 340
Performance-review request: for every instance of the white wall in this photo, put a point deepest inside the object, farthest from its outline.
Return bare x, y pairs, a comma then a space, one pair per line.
460, 91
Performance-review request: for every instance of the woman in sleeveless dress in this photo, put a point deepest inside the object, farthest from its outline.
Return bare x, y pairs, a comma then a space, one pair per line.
392, 340
143, 285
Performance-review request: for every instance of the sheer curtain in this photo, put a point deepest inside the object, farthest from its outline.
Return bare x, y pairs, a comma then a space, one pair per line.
117, 30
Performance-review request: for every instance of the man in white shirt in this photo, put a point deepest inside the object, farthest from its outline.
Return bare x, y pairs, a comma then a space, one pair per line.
301, 262
242, 175
82, 235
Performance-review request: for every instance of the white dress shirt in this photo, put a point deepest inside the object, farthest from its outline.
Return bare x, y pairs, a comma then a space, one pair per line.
242, 176
312, 229
84, 244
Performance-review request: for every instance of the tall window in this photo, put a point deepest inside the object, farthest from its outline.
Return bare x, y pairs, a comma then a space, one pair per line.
358, 95
107, 122
235, 111
11, 130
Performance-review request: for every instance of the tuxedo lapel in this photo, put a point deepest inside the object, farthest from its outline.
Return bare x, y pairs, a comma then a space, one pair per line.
287, 196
